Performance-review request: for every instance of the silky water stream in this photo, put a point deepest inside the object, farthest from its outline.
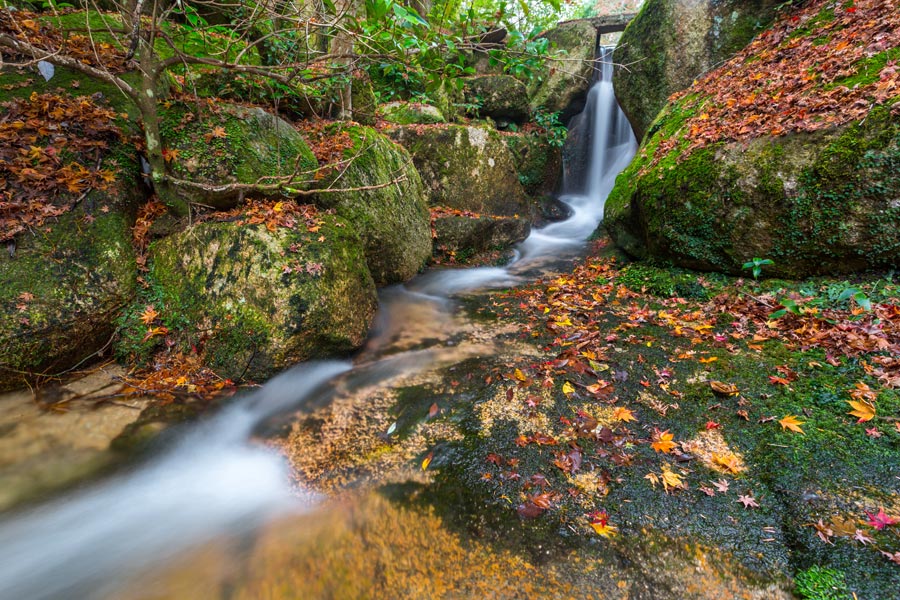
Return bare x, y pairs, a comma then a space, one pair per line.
215, 482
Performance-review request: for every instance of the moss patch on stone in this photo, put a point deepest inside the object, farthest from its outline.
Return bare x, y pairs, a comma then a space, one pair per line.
392, 218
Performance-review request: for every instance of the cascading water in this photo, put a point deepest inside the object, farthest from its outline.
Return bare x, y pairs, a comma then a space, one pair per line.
214, 481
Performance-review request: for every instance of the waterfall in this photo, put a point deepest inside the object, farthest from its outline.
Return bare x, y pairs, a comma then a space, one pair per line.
215, 481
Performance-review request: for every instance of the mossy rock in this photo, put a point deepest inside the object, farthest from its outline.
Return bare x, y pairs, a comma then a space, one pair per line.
564, 83
265, 300
409, 113
456, 235
466, 167
500, 97
672, 42
817, 203
232, 144
63, 285
538, 162
393, 219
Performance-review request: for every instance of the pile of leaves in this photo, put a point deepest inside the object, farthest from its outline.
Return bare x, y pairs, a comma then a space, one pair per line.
31, 28
51, 150
174, 376
271, 213
328, 145
798, 76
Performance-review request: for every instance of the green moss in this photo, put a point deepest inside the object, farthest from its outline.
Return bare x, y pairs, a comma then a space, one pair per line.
253, 301
868, 70
408, 113
393, 219
816, 583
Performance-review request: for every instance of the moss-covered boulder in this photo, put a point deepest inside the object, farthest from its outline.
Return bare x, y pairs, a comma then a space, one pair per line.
460, 237
538, 161
465, 168
221, 144
63, 285
500, 97
563, 85
409, 113
392, 215
258, 301
821, 202
672, 42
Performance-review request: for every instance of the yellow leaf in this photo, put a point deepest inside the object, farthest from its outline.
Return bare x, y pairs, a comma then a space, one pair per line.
623, 414
791, 422
730, 462
520, 375
568, 388
279, 206
711, 359
604, 529
427, 460
862, 409
672, 480
724, 389
664, 444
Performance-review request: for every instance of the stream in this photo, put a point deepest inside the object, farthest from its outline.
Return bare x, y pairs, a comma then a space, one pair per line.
215, 480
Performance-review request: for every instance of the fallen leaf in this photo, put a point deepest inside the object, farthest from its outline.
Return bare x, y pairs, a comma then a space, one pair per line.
724, 389
863, 409
672, 480
748, 501
881, 520
791, 422
664, 442
623, 414
427, 460
568, 388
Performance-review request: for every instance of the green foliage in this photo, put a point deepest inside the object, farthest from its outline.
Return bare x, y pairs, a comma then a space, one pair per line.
556, 131
756, 265
819, 583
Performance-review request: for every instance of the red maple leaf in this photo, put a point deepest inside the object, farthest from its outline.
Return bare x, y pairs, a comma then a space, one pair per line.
881, 520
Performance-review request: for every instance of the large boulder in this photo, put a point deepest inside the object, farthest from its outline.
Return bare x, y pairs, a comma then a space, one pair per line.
461, 237
814, 203
538, 161
802, 171
672, 42
465, 168
408, 113
563, 85
391, 218
219, 144
500, 97
260, 299
63, 285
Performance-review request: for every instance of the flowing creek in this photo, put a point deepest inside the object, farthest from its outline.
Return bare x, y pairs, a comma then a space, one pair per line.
190, 515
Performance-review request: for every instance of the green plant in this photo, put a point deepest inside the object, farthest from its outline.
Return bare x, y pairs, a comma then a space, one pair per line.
819, 583
756, 265
549, 122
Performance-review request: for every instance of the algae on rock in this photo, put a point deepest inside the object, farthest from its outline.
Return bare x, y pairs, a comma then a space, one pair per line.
264, 300
392, 216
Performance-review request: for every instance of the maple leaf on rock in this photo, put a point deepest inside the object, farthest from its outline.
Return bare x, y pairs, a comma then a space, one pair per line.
881, 520
862, 409
664, 442
748, 501
792, 423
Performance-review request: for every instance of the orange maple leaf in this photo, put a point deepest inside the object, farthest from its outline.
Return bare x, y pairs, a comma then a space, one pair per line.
791, 422
664, 443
